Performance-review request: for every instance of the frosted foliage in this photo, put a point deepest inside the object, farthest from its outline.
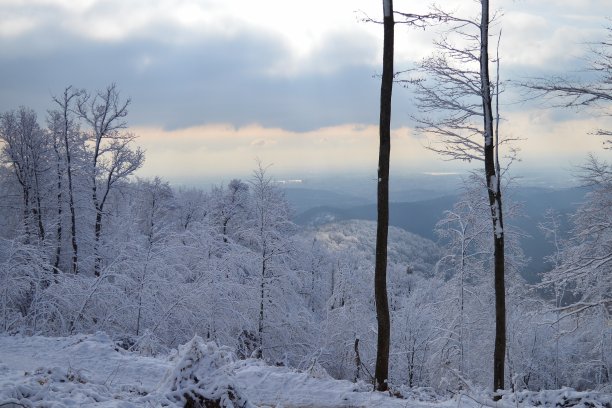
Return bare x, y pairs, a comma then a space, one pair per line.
581, 281
406, 249
24, 273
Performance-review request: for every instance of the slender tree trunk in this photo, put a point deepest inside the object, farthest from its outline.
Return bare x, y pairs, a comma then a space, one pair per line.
141, 290
357, 361
462, 306
75, 247
262, 288
225, 222
495, 202
380, 274
98, 204
140, 303
58, 232
64, 104
38, 210
26, 213
97, 233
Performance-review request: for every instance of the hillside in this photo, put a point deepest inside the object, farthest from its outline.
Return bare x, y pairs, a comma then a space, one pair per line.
358, 237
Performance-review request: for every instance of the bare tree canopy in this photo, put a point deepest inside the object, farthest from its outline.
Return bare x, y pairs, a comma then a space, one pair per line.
458, 100
112, 158
596, 94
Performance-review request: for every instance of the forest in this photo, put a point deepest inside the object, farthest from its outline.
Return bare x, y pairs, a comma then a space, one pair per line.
87, 246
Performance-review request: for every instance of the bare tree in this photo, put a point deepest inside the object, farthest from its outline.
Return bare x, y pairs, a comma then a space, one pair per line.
574, 94
54, 125
62, 123
380, 273
382, 229
456, 98
112, 158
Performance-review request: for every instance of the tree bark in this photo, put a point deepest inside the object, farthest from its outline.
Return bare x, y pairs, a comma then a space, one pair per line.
380, 273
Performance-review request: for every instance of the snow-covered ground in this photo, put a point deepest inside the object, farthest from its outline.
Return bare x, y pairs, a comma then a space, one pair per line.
91, 371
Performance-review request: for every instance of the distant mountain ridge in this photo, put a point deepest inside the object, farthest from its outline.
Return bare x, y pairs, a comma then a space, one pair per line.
420, 217
305, 198
302, 199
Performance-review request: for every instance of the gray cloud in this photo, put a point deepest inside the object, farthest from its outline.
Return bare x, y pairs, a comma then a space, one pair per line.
180, 77
206, 80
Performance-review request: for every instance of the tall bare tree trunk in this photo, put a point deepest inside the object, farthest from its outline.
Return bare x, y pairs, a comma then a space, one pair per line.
495, 202
26, 212
37, 211
380, 274
58, 232
97, 234
75, 248
262, 287
64, 104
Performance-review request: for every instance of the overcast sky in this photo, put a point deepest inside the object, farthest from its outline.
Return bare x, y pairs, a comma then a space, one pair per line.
216, 83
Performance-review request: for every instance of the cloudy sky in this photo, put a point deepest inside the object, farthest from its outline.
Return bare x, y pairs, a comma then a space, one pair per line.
216, 83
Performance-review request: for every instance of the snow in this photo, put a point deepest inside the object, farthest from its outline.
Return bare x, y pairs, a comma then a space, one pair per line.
90, 370
72, 371
493, 184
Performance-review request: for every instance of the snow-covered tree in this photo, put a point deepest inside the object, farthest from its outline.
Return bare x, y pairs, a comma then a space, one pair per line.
267, 236
111, 156
25, 149
582, 267
66, 138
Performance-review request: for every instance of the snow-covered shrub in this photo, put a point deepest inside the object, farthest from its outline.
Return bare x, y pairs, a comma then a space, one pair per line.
24, 274
202, 376
565, 397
